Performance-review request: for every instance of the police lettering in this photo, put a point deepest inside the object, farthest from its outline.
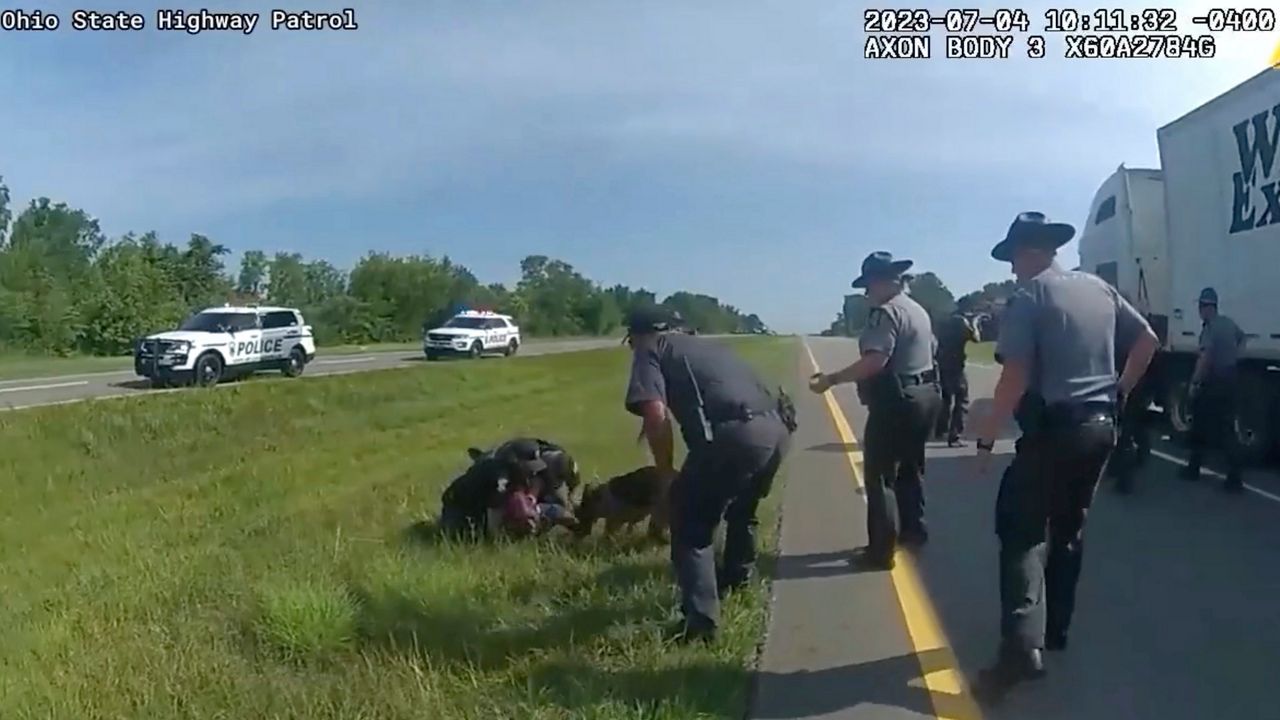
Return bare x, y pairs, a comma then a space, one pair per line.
259, 346
1257, 161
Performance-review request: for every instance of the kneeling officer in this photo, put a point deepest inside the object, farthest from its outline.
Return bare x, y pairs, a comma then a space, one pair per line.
898, 383
736, 433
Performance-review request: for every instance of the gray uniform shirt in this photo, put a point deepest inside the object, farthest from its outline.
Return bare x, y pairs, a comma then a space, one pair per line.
1064, 327
1221, 339
901, 330
680, 369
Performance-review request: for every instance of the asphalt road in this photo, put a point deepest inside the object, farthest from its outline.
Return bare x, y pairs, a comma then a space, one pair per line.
1178, 613
21, 394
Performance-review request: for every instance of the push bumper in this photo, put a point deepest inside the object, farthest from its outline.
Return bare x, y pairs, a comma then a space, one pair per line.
162, 367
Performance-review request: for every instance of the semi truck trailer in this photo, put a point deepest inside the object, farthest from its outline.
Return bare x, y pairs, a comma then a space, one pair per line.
1209, 216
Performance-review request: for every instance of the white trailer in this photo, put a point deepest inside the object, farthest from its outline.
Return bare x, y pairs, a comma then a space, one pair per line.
1209, 217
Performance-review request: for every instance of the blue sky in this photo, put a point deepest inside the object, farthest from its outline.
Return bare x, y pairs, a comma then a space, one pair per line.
655, 144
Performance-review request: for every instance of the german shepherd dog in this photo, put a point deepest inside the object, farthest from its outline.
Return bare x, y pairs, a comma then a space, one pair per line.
625, 500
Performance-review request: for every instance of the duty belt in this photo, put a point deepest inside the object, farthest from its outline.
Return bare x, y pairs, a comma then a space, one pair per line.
1068, 413
928, 376
743, 417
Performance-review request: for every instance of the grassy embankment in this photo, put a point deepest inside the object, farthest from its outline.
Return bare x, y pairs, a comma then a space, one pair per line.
20, 366
242, 553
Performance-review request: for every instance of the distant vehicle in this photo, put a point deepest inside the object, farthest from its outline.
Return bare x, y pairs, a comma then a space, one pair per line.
223, 342
1208, 218
473, 333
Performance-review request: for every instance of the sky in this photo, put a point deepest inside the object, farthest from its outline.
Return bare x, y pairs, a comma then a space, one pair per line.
745, 149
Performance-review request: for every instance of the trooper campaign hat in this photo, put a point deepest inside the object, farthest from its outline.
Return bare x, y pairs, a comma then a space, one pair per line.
651, 318
880, 265
1032, 229
1209, 296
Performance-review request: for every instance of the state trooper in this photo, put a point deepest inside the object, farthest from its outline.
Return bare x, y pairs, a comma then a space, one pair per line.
898, 384
1056, 349
736, 433
954, 334
1213, 392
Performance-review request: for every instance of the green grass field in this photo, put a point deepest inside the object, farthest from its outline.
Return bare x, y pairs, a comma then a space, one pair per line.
245, 553
982, 353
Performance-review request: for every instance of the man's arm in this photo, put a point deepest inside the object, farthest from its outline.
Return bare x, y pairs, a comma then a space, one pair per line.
1134, 332
657, 430
1012, 385
869, 364
876, 344
1015, 351
646, 397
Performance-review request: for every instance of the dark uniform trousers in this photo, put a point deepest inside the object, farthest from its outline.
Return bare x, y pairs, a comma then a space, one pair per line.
723, 479
893, 461
955, 400
1213, 413
1134, 442
1044, 497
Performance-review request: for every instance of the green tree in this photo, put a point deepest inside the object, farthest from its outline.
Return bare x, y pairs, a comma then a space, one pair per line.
252, 280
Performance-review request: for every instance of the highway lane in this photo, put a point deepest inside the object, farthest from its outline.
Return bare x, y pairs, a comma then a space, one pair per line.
58, 389
1178, 612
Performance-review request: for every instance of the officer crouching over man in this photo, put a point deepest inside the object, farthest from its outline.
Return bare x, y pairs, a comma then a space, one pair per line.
736, 433
898, 384
1057, 351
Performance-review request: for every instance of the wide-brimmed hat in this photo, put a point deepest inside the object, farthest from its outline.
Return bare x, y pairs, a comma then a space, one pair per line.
651, 318
1032, 228
1209, 296
880, 265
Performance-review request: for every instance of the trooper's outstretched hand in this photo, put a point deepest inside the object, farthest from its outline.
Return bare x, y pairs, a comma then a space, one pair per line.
819, 382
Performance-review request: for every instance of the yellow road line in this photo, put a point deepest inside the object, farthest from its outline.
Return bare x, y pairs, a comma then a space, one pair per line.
948, 692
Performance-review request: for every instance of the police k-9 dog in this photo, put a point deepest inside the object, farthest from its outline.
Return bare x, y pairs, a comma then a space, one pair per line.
625, 500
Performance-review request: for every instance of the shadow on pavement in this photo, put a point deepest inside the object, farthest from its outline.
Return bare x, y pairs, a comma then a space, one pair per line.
819, 565
1176, 615
835, 447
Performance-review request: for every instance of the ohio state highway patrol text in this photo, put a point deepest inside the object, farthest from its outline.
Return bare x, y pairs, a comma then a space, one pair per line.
192, 22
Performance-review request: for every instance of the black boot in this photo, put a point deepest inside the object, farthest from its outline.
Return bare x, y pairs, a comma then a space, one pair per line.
1190, 472
1234, 483
1009, 670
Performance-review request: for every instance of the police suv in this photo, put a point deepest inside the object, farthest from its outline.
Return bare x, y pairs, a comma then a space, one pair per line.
473, 333
224, 342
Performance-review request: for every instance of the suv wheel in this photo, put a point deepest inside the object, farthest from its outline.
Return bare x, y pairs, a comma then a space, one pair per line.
208, 370
295, 363
512, 347
477, 350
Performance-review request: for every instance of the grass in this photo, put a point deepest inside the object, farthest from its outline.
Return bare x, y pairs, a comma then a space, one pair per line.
25, 366
246, 553
982, 353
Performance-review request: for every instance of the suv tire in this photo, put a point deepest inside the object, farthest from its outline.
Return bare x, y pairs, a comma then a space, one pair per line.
512, 347
477, 349
208, 370
295, 363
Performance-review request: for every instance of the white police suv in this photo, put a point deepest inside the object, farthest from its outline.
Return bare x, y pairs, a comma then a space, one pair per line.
473, 333
223, 342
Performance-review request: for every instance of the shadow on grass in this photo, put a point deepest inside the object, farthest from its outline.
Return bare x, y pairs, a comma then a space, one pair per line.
491, 633
716, 688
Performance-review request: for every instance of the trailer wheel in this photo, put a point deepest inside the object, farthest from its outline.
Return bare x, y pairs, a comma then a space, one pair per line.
1177, 408
1253, 425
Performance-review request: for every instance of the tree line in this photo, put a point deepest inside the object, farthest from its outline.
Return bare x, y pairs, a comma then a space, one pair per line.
64, 288
932, 293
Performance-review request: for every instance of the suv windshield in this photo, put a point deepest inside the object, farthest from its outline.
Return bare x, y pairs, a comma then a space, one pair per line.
219, 322
470, 323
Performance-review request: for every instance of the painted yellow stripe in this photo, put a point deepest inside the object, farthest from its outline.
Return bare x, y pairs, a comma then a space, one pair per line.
948, 692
